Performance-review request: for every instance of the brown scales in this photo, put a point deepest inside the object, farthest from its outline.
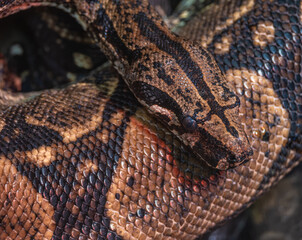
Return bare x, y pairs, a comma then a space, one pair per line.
129, 32
128, 176
133, 34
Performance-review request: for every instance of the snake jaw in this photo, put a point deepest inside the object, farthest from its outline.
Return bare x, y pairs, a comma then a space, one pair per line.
219, 153
225, 164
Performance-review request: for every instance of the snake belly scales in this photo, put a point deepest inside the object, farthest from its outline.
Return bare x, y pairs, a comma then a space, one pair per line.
88, 162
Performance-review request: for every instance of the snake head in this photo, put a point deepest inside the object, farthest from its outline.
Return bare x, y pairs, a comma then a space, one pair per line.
186, 90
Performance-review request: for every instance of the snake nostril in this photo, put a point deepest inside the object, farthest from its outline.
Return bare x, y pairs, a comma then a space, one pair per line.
223, 165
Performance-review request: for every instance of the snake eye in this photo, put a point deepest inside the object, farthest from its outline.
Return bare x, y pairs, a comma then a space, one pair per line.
189, 123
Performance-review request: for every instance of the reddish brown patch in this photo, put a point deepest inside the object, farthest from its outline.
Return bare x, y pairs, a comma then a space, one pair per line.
150, 197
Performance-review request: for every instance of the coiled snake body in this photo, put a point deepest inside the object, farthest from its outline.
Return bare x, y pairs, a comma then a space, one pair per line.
87, 162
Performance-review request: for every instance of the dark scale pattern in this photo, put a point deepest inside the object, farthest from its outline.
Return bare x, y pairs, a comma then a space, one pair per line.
279, 62
257, 45
76, 182
62, 179
90, 163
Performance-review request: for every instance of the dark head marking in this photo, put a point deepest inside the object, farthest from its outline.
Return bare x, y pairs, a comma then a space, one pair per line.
188, 88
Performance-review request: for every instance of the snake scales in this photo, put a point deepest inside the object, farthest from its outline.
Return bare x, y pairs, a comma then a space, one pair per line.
88, 162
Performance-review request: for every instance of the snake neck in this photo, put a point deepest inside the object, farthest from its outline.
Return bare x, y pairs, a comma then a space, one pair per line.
123, 30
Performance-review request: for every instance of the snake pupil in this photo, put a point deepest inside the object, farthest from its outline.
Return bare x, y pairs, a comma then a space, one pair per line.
189, 123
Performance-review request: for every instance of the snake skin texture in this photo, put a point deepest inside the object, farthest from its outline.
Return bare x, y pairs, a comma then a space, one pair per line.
177, 80
88, 162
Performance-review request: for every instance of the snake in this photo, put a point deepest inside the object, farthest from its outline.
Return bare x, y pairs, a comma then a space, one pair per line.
89, 162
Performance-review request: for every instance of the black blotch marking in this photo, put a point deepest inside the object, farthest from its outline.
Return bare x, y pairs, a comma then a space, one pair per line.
142, 67
154, 96
55, 121
197, 110
27, 138
117, 196
265, 137
130, 182
106, 28
162, 183
128, 30
111, 109
140, 213
162, 74
148, 77
186, 97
